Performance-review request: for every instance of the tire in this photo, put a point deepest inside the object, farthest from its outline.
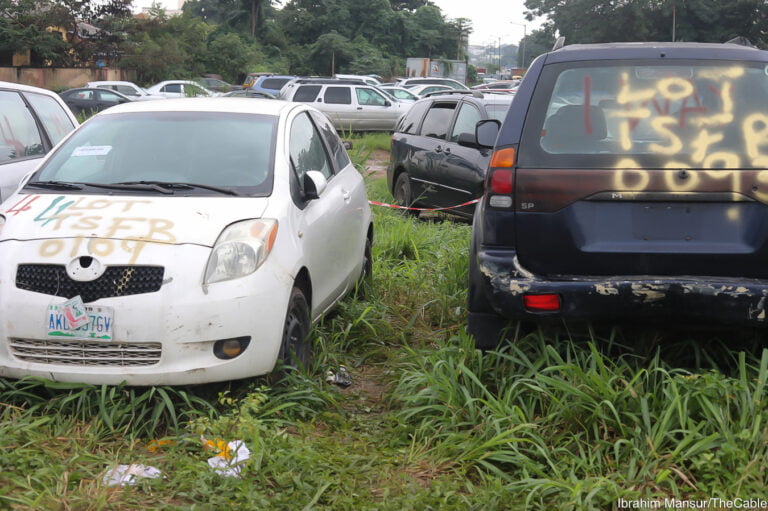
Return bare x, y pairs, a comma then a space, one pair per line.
296, 346
402, 193
366, 275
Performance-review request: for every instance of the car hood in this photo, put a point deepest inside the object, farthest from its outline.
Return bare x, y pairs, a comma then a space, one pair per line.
175, 220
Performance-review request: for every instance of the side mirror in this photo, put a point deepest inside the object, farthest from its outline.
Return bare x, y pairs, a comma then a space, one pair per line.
486, 132
387, 103
347, 144
314, 184
468, 140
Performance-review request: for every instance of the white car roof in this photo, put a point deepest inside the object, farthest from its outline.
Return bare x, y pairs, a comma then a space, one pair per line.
112, 82
216, 104
27, 88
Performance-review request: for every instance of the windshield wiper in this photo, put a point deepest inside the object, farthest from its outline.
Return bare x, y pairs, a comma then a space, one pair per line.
182, 186
56, 185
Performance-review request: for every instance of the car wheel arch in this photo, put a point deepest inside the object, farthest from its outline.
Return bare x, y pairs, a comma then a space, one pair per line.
304, 282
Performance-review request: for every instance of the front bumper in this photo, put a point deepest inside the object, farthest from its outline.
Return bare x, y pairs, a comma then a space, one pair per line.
684, 300
180, 323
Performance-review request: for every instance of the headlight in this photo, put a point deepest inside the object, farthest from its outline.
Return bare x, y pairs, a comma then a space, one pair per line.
240, 250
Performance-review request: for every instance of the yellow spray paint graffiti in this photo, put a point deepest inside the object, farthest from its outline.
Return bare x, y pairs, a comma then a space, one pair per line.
102, 235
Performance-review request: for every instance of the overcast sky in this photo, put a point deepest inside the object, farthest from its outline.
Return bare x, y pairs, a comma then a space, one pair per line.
491, 19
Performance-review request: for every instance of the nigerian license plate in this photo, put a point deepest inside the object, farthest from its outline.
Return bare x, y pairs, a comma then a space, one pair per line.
93, 322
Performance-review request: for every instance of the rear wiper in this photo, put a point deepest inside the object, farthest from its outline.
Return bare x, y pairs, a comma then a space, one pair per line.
182, 186
56, 185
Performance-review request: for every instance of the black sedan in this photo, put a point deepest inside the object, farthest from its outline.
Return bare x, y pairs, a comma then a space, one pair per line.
88, 101
435, 159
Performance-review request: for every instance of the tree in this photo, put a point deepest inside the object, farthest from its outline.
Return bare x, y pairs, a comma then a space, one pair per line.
583, 21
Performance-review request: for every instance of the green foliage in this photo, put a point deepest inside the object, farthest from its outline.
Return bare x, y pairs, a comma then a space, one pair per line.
556, 420
583, 21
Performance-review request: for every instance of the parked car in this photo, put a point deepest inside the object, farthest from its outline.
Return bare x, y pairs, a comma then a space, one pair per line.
627, 184
248, 93
350, 104
370, 80
503, 86
435, 161
400, 93
411, 82
88, 101
129, 89
424, 89
180, 242
269, 83
32, 121
180, 89
215, 84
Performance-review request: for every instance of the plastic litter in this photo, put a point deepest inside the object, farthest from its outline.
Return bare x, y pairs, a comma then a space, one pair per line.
129, 474
231, 457
340, 377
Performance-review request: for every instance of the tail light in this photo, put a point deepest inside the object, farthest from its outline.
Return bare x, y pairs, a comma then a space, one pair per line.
542, 303
502, 178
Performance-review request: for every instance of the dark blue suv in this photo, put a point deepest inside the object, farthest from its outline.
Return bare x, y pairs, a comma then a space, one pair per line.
629, 182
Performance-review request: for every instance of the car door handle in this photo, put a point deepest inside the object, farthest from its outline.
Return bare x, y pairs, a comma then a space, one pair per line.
346, 195
359, 108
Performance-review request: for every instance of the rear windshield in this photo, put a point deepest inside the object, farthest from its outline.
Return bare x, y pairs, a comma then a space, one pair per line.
650, 114
215, 149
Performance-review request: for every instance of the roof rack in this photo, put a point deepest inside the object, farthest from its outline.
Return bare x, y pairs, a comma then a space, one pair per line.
338, 81
452, 91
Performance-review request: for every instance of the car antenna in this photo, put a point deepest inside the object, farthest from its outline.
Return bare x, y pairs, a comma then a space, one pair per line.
559, 43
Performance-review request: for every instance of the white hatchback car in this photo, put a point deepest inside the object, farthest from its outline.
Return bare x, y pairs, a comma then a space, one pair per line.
180, 242
180, 89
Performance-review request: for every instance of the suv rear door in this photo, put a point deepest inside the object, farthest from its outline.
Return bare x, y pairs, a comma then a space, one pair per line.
654, 167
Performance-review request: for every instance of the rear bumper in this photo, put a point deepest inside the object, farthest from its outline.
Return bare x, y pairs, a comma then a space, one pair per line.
680, 299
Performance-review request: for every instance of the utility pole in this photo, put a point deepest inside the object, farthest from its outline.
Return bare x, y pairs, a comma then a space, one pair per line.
525, 36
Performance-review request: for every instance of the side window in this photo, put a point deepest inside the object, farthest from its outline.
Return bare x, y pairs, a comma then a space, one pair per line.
410, 122
194, 90
306, 148
437, 120
172, 87
338, 153
306, 93
56, 122
370, 97
128, 91
274, 83
465, 121
19, 137
338, 96
109, 97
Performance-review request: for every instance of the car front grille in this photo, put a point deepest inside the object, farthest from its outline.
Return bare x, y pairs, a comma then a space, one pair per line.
52, 279
87, 354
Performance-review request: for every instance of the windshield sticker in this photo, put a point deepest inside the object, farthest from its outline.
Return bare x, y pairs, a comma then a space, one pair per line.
95, 150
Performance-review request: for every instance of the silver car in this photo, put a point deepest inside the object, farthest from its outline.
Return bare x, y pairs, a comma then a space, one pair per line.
32, 121
351, 105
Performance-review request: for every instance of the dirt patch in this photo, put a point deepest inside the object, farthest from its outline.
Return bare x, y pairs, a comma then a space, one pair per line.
377, 163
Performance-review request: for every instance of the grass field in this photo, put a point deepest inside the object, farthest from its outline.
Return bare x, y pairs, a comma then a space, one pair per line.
570, 418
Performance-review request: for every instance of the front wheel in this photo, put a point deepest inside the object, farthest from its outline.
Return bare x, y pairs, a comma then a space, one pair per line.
296, 348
